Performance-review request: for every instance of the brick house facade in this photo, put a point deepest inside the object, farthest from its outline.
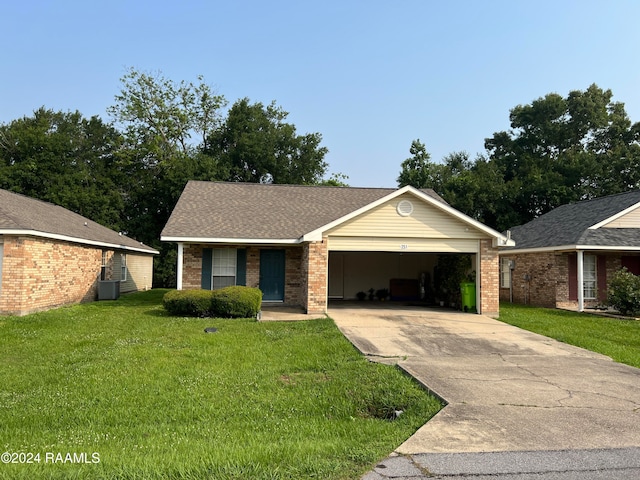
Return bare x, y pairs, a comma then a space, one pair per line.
565, 258
550, 279
50, 257
322, 239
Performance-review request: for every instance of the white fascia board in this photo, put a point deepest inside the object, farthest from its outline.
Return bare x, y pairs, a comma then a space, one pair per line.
614, 217
236, 241
569, 248
83, 241
499, 239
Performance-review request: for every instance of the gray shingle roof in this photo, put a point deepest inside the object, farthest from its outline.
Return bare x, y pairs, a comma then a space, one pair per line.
25, 214
569, 225
263, 211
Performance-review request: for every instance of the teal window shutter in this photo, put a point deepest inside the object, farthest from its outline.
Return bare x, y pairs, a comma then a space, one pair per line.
207, 262
241, 269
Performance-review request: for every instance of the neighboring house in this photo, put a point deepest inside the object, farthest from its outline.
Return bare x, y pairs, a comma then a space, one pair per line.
302, 245
50, 256
565, 258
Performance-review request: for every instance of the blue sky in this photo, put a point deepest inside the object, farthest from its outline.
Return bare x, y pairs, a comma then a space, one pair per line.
370, 76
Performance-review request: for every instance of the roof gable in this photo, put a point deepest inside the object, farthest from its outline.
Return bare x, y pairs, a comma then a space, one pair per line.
22, 215
406, 216
581, 224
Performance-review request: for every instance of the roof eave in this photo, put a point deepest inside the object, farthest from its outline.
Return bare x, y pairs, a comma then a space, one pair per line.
568, 248
83, 241
236, 241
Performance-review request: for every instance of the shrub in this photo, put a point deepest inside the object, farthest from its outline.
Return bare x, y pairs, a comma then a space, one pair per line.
624, 292
236, 302
228, 302
192, 303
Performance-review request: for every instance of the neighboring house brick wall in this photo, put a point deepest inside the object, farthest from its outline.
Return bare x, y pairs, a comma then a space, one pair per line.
561, 297
489, 279
41, 273
548, 279
535, 279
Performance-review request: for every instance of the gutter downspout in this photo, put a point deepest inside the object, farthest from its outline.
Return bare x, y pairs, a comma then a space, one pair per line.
580, 280
179, 267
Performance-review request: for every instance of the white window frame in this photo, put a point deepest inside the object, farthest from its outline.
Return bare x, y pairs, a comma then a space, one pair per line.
224, 271
590, 277
123, 267
103, 266
505, 272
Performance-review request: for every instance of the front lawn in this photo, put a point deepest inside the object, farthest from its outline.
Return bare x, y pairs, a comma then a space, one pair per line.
150, 396
619, 339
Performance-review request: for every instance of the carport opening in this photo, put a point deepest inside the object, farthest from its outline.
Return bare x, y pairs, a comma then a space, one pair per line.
429, 279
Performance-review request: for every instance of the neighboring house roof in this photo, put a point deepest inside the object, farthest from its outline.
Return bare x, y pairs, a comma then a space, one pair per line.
21, 215
269, 213
579, 225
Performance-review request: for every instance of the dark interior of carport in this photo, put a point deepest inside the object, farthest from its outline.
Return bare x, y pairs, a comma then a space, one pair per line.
399, 276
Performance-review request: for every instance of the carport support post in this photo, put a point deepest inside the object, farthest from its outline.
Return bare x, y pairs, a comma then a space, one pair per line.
580, 281
180, 262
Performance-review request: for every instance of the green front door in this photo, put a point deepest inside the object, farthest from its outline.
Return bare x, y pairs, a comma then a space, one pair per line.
272, 275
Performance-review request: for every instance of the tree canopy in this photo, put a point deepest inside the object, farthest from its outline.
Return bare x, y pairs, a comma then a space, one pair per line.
255, 144
128, 175
558, 150
68, 160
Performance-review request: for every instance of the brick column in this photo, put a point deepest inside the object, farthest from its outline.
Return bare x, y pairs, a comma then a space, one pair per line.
315, 264
489, 279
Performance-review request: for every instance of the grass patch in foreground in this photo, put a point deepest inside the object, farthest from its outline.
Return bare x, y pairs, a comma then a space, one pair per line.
157, 398
618, 339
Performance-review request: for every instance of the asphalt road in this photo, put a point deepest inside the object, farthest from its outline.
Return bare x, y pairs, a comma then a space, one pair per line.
600, 464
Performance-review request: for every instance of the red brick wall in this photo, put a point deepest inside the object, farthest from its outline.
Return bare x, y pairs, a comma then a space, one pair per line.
542, 279
293, 293
489, 279
315, 261
535, 279
192, 267
39, 273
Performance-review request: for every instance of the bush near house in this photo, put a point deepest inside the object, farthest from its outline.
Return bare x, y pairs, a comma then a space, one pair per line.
236, 302
228, 302
624, 292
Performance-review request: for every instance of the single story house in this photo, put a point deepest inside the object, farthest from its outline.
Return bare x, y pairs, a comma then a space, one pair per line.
563, 259
50, 256
302, 245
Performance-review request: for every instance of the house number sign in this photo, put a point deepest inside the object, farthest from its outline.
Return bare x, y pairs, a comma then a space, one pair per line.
404, 246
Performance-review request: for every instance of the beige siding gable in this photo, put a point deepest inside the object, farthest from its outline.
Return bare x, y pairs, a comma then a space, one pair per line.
628, 220
425, 221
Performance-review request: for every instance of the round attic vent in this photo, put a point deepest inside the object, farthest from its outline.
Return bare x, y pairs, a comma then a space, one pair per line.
405, 208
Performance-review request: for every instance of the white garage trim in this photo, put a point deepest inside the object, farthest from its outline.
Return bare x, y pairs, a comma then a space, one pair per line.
403, 245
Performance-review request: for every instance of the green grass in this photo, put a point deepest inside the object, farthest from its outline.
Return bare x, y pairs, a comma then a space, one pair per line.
157, 398
616, 338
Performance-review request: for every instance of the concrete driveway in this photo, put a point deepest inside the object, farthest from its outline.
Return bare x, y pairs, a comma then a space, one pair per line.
507, 390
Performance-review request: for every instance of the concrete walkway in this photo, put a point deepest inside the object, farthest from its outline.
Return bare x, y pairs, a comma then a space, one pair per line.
507, 390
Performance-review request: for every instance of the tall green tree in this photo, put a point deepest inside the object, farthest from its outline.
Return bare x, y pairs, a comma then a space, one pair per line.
66, 159
418, 170
256, 144
165, 124
561, 150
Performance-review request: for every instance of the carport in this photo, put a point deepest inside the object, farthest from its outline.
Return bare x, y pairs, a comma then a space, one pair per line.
411, 276
399, 246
